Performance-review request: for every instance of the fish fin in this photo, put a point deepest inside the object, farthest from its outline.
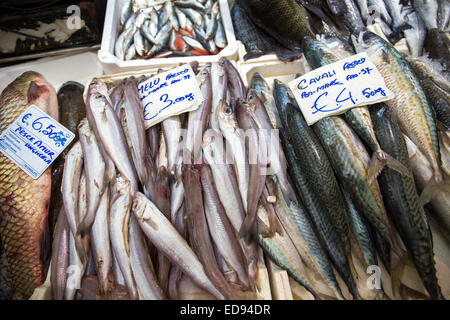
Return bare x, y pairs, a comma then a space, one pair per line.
34, 91
381, 159
406, 293
396, 165
287, 55
433, 186
440, 126
80, 249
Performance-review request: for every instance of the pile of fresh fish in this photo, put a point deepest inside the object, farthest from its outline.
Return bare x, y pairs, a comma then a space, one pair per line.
185, 208
280, 26
156, 29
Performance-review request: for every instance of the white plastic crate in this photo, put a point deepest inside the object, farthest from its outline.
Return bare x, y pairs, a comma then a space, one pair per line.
112, 64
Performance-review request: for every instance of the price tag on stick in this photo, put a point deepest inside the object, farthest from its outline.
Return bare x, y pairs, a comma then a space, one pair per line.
169, 93
337, 87
34, 140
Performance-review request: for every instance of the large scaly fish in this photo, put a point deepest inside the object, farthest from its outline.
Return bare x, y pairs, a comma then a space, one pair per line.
25, 201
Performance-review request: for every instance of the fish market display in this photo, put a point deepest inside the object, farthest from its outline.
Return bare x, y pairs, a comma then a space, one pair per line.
279, 27
169, 29
196, 205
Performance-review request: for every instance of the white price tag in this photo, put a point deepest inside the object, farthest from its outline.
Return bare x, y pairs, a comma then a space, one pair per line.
169, 93
34, 140
337, 87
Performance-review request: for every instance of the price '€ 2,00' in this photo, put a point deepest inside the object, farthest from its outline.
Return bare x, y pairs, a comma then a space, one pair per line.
337, 87
168, 94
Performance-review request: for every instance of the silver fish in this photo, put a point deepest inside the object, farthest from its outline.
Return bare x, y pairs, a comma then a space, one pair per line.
142, 266
172, 133
94, 169
69, 189
165, 237
198, 119
110, 133
219, 82
220, 228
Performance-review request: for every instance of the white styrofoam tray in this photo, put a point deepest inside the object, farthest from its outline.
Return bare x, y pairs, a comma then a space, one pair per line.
112, 64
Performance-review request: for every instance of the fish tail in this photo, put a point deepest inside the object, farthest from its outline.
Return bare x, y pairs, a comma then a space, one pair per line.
248, 228
84, 227
435, 185
397, 31
379, 160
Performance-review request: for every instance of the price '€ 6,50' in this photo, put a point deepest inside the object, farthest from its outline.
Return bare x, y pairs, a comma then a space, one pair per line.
168, 94
337, 87
34, 140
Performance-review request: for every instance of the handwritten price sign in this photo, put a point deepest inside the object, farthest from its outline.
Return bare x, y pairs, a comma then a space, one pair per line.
337, 87
168, 94
34, 141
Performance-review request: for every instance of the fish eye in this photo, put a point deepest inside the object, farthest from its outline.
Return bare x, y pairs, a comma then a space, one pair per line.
228, 111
